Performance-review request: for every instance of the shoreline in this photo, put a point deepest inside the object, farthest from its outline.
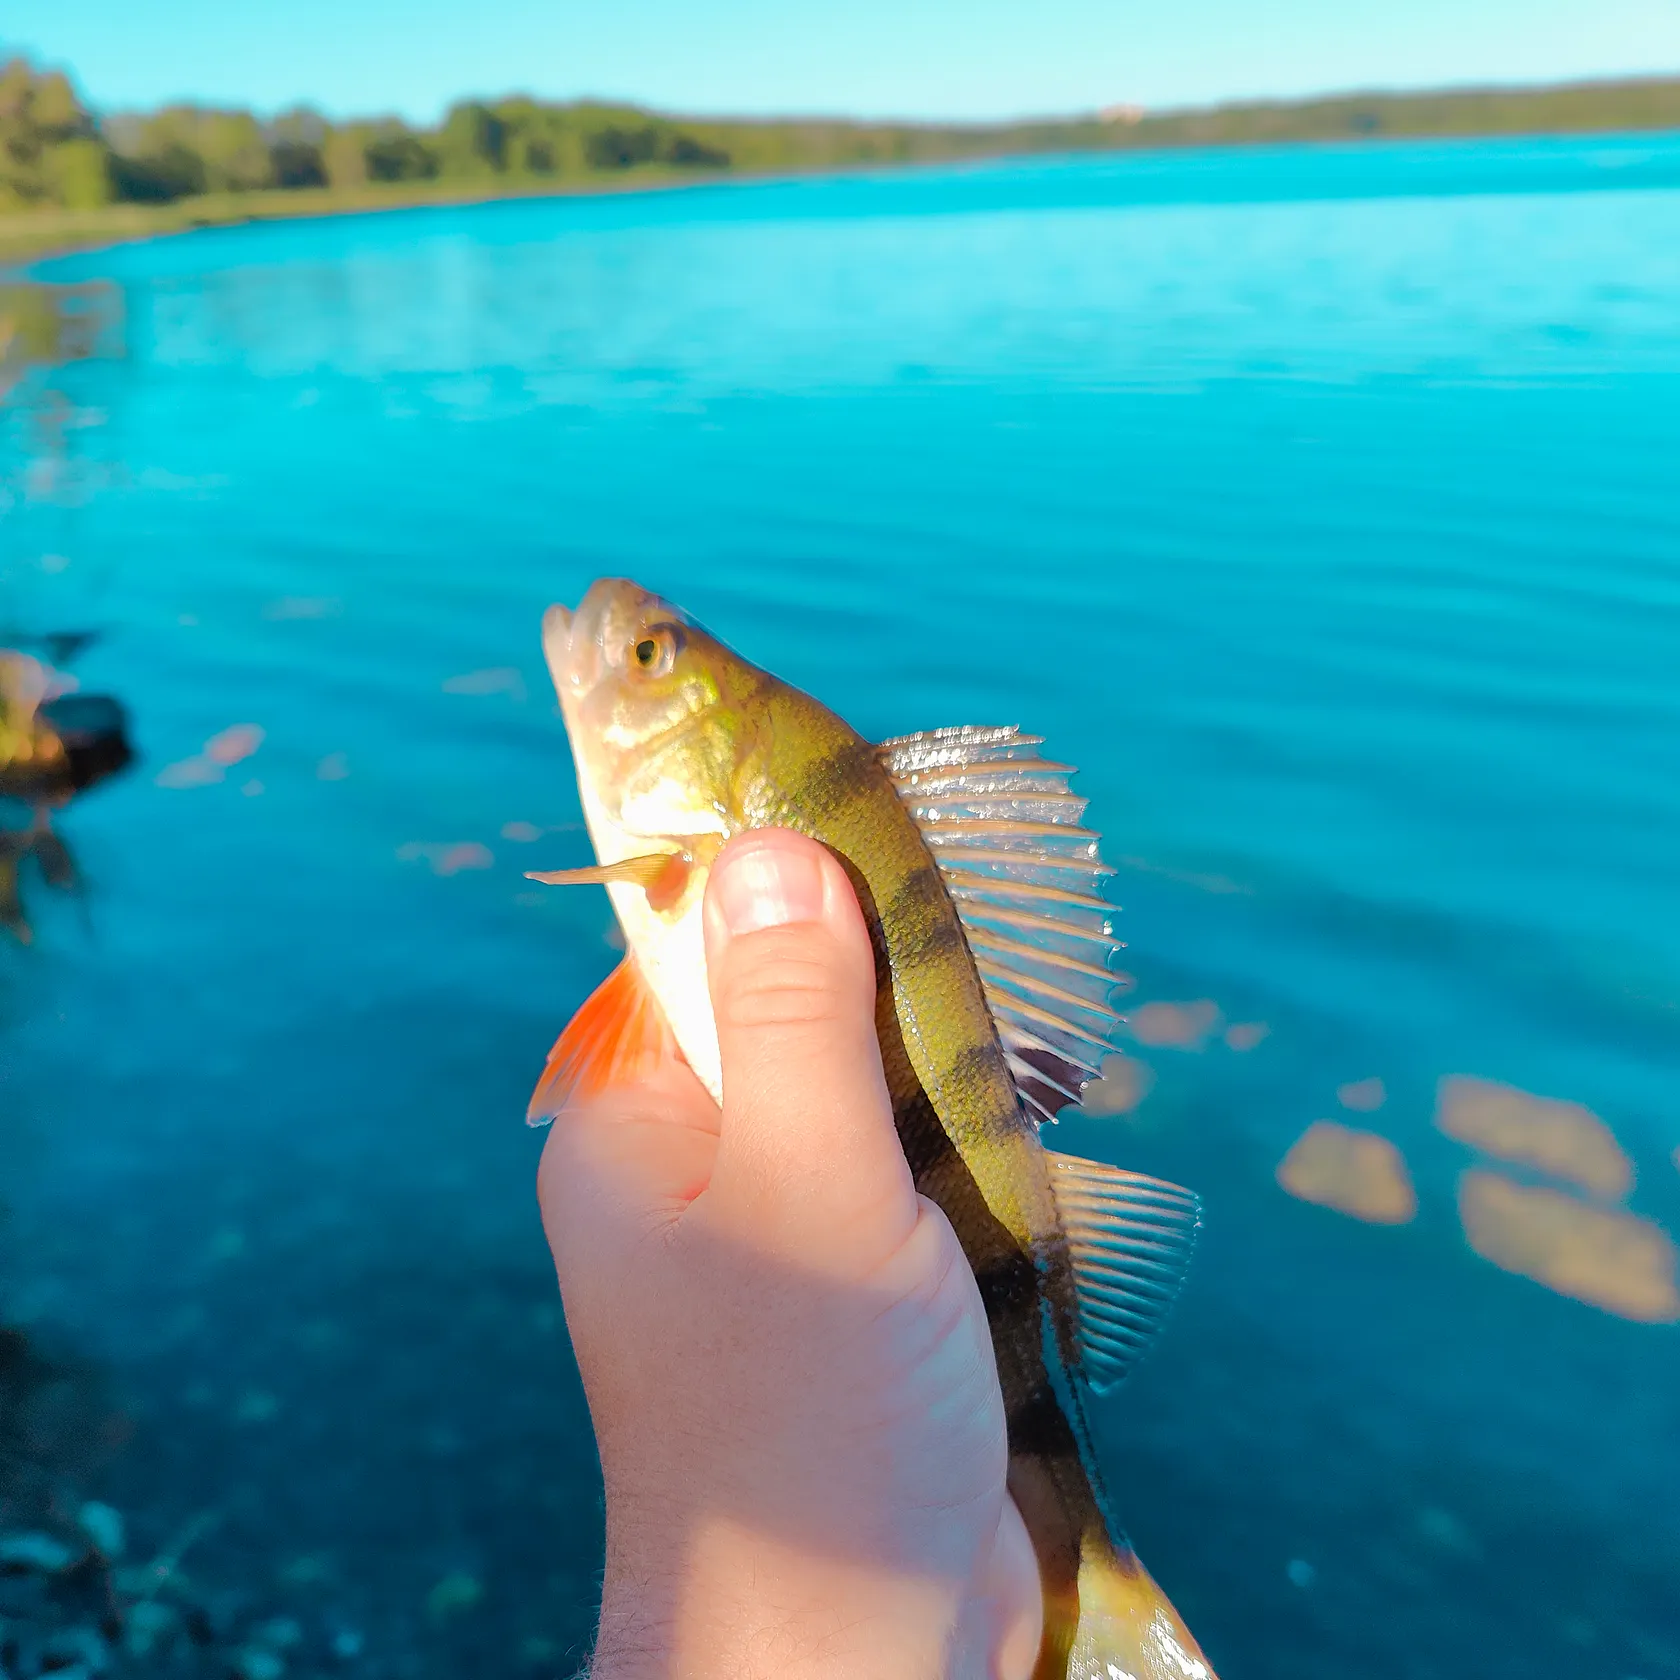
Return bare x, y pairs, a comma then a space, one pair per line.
34, 236
716, 150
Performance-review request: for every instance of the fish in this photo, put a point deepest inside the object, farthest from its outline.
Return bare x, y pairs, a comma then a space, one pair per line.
982, 893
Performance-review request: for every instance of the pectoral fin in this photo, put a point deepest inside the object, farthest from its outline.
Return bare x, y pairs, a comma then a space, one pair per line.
618, 1034
1130, 1238
644, 871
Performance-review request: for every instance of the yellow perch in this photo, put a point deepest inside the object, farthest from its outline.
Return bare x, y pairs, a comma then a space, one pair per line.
982, 894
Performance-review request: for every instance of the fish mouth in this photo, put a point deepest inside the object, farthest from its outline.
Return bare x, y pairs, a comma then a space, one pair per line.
573, 653
557, 644
583, 645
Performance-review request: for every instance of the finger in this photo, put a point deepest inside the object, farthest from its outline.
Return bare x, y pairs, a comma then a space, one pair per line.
1014, 1599
624, 1163
808, 1149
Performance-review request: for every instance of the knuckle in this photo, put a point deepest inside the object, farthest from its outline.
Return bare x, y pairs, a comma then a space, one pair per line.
785, 981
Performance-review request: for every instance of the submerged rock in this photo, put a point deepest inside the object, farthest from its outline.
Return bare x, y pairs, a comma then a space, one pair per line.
69, 1610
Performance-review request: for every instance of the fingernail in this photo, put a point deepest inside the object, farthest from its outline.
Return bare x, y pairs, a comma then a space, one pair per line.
768, 885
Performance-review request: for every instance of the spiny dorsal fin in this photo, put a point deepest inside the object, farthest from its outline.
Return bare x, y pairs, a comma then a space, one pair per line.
1003, 826
1130, 1238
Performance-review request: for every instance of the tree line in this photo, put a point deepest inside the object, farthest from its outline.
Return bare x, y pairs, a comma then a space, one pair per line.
54, 151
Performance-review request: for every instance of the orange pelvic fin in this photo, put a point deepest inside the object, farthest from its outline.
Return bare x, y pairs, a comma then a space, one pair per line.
619, 1033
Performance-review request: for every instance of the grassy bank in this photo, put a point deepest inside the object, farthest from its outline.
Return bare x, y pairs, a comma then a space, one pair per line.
30, 235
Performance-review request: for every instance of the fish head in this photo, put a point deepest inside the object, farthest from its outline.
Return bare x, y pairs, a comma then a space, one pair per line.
658, 714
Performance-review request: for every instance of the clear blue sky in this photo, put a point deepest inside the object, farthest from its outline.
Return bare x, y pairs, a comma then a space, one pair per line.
927, 58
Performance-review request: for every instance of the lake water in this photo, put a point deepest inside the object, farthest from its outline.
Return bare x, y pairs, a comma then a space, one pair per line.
1323, 505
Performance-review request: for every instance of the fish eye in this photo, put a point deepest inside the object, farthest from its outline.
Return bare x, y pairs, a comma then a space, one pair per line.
654, 652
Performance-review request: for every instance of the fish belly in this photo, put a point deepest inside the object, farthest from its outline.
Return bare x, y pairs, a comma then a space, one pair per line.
671, 953
669, 947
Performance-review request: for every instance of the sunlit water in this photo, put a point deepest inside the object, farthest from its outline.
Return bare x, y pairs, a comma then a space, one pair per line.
1322, 505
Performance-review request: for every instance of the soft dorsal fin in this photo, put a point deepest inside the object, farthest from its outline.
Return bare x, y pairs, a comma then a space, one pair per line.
1003, 826
1130, 1238
619, 1032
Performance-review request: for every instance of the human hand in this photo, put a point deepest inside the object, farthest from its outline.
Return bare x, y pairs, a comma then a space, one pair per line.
784, 1351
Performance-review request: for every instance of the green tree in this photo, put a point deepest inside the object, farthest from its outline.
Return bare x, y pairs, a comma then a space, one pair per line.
228, 149
157, 177
344, 156
623, 146
397, 155
50, 152
472, 142
54, 153
359, 153
296, 145
79, 174
542, 140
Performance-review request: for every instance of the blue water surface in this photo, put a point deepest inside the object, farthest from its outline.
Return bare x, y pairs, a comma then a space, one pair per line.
1323, 505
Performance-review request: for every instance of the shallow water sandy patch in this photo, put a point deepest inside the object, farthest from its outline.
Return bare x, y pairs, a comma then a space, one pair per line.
1605, 1257
1357, 1173
1564, 1139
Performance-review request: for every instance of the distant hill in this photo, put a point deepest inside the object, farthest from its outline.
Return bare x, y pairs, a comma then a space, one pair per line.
1579, 107
1570, 108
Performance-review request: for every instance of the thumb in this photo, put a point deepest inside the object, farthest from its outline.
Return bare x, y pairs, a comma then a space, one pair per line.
808, 1156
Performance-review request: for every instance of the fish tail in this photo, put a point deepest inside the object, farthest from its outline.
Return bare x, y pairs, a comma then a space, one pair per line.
1115, 1624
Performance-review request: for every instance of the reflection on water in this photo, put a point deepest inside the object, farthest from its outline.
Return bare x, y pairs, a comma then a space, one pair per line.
54, 745
55, 742
51, 856
1330, 528
47, 326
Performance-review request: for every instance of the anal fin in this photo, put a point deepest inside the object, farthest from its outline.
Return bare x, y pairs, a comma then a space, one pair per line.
1130, 1238
618, 1033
